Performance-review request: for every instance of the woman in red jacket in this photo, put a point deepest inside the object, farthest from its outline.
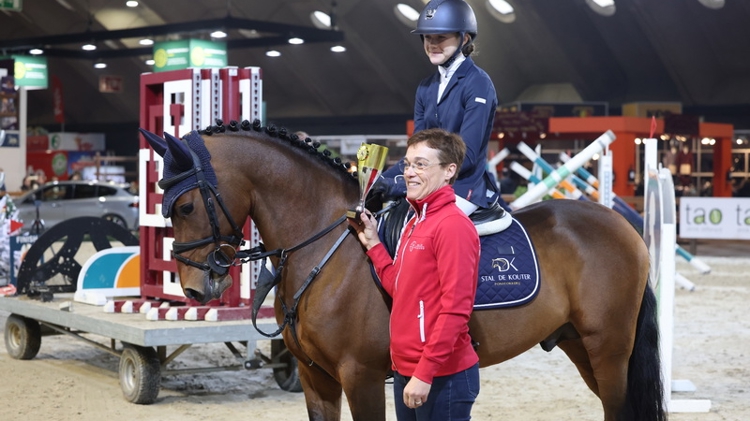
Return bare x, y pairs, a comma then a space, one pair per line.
432, 280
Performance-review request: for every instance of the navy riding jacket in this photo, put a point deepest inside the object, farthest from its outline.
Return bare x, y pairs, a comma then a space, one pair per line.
467, 107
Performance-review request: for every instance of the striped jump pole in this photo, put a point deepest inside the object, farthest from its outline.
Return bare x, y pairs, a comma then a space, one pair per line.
549, 169
637, 220
528, 176
622, 209
563, 172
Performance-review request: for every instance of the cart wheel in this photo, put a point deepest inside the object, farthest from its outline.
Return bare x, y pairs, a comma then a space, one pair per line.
140, 374
286, 377
23, 337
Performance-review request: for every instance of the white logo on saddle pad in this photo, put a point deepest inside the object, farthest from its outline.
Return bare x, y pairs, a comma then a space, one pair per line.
503, 265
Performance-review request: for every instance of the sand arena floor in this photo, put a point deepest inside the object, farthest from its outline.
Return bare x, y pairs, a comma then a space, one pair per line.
70, 380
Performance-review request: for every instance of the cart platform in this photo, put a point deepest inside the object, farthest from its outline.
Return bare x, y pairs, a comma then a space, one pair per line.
143, 355
132, 328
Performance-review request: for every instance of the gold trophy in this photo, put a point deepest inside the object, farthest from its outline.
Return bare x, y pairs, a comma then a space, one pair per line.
370, 162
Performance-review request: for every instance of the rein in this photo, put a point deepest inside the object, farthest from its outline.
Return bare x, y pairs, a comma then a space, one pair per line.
264, 286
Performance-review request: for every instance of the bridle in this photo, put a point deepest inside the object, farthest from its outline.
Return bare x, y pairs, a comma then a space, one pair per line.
227, 254
224, 255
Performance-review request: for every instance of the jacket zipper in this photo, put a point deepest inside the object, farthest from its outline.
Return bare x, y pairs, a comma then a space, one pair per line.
401, 255
421, 321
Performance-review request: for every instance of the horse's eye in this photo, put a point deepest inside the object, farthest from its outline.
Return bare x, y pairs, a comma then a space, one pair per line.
186, 209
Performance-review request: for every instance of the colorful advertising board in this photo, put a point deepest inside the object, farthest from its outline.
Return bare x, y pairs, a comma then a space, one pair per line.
30, 71
51, 163
715, 218
177, 55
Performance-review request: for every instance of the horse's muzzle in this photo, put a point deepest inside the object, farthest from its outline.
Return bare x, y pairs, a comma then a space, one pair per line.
212, 288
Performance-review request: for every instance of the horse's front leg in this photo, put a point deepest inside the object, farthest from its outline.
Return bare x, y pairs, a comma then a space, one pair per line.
322, 394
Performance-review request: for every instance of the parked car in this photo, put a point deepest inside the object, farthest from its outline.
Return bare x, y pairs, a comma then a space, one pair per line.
61, 200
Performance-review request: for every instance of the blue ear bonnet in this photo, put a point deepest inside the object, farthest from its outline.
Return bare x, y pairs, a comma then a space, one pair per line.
178, 160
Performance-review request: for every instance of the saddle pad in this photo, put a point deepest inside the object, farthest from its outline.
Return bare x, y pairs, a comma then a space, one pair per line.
508, 269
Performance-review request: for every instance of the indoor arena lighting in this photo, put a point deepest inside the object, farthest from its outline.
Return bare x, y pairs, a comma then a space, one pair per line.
501, 6
146, 41
131, 3
406, 14
320, 19
501, 10
100, 65
602, 7
296, 41
218, 34
712, 4
273, 53
36, 51
89, 47
338, 48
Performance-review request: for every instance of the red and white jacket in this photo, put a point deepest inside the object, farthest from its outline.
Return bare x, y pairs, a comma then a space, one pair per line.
432, 280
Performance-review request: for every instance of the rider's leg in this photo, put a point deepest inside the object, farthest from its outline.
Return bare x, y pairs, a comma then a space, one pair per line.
467, 207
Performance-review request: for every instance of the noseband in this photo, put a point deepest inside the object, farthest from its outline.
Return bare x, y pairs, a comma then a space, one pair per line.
225, 252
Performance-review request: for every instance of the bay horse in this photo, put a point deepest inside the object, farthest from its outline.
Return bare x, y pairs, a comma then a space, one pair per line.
594, 301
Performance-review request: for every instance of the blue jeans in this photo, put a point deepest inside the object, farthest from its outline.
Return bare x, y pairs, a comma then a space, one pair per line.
450, 399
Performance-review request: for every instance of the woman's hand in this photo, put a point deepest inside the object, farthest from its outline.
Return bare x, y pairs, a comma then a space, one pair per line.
367, 229
416, 392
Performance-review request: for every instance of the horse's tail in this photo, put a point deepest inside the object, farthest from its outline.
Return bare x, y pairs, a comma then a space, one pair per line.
645, 395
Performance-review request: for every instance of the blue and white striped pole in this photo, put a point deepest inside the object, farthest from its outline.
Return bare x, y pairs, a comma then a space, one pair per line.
635, 218
563, 172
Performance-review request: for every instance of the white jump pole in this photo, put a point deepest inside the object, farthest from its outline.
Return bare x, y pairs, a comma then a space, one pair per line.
593, 181
492, 163
683, 282
666, 284
529, 176
539, 162
561, 173
606, 196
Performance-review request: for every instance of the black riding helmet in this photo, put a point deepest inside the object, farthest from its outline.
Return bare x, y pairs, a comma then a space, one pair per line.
446, 16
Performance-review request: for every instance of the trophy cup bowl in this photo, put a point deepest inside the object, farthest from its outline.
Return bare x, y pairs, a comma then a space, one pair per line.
370, 162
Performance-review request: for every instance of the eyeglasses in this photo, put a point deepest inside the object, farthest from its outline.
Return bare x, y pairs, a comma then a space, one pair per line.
419, 167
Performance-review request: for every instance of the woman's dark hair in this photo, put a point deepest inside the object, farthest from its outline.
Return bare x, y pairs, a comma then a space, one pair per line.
451, 148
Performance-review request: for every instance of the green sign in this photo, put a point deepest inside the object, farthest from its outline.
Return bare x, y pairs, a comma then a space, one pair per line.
175, 55
30, 72
60, 164
14, 5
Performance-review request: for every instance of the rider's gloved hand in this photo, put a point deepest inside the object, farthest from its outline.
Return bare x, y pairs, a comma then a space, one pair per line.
388, 188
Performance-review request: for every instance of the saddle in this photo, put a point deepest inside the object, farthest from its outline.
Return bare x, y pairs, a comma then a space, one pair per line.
508, 268
486, 220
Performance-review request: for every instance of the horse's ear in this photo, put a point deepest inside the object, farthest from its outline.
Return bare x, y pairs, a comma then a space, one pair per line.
159, 144
180, 152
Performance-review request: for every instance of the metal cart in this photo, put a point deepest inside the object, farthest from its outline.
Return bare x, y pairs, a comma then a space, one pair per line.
143, 344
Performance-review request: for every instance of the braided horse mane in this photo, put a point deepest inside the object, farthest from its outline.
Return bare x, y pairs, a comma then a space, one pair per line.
282, 133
